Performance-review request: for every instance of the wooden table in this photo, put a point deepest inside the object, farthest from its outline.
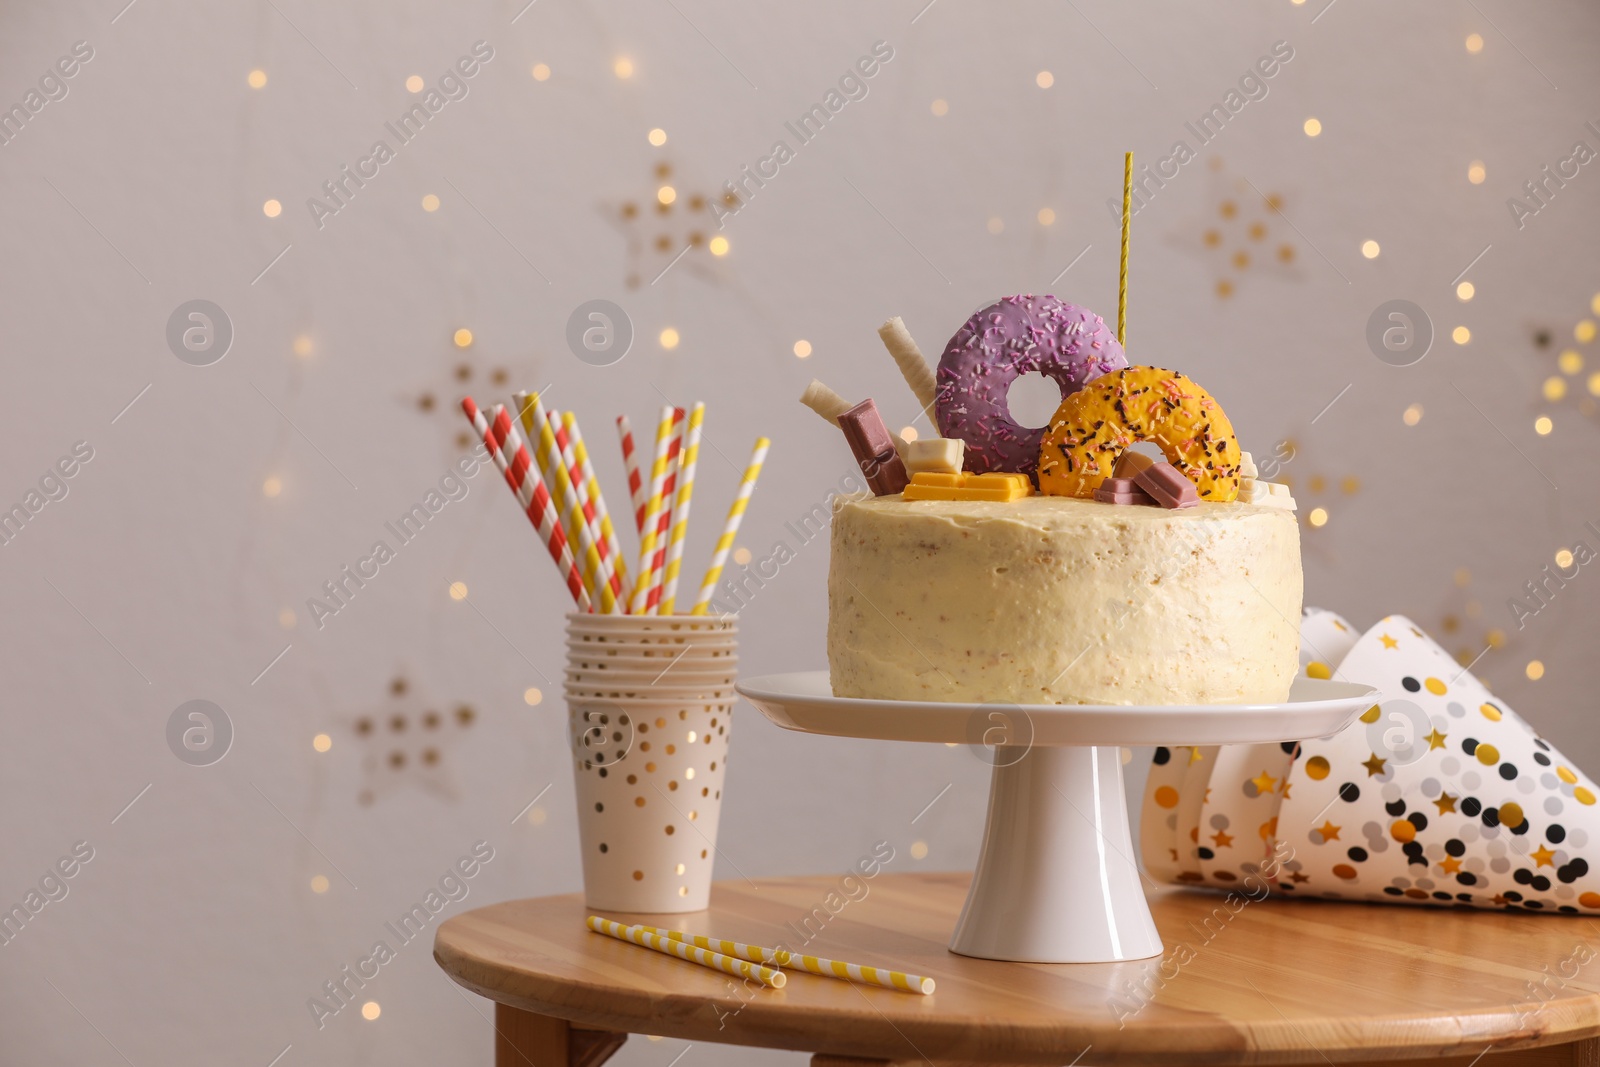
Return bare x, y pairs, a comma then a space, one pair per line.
1242, 982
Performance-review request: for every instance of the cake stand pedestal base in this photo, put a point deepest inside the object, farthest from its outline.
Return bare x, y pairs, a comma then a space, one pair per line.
1056, 880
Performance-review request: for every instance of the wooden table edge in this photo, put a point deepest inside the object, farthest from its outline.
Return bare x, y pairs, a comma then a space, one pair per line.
1562, 1030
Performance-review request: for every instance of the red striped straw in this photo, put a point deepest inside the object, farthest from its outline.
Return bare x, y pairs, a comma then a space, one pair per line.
530, 491
590, 518
669, 489
630, 459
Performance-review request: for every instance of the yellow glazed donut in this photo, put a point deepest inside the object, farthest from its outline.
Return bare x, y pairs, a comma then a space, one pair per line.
1094, 425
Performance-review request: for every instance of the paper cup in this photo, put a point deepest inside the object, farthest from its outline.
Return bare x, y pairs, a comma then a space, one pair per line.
649, 763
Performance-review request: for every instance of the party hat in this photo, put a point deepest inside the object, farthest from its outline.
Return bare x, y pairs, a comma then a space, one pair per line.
1438, 794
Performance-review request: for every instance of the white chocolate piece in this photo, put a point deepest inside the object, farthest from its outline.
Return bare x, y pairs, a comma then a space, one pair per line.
1247, 466
824, 401
908, 357
933, 454
1276, 488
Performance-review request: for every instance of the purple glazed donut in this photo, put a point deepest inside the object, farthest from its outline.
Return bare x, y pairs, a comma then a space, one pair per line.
1012, 337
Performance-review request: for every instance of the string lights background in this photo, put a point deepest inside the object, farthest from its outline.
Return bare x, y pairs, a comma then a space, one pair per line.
587, 157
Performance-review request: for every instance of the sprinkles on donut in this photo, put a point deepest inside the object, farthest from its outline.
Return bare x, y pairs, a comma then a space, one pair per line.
1094, 426
1014, 336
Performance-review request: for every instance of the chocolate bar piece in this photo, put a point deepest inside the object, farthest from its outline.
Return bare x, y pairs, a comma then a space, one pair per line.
873, 448
1121, 491
1168, 486
1130, 463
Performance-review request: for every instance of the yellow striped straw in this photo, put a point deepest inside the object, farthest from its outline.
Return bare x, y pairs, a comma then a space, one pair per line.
547, 457
850, 972
638, 935
592, 486
607, 585
652, 513
730, 529
680, 510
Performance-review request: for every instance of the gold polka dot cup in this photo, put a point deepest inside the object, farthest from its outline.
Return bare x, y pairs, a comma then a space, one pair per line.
649, 706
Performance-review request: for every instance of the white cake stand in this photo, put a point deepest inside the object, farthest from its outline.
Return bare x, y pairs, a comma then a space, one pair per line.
1057, 881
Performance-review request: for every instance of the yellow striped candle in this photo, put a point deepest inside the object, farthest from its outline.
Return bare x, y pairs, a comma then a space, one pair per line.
730, 529
638, 935
680, 511
547, 456
850, 972
652, 512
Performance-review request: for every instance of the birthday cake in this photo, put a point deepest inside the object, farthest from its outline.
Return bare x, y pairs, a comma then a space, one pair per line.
1059, 564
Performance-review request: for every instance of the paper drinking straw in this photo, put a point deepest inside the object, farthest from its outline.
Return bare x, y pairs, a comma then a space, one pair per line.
553, 461
1122, 276
530, 412
608, 533
669, 488
530, 491
607, 585
680, 511
850, 972
652, 513
694, 954
730, 529
630, 460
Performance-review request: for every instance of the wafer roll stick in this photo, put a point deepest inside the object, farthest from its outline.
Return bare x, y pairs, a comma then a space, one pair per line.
824, 401
908, 357
694, 954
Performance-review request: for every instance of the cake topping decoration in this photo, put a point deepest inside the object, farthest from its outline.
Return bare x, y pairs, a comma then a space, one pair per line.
873, 448
908, 357
1167, 486
944, 454
1268, 494
1016, 335
1094, 427
1130, 463
963, 485
1122, 491
824, 401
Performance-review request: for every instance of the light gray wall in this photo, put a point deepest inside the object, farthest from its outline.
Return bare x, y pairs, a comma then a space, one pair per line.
193, 935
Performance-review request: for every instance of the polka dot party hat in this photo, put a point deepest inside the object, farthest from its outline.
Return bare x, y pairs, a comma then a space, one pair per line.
1440, 794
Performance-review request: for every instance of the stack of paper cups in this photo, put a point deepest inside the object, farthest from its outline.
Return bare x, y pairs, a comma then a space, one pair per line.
649, 706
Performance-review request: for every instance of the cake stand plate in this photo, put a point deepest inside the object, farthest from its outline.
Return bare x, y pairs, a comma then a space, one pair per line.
1056, 880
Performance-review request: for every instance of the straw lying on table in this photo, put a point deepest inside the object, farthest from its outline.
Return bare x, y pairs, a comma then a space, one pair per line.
552, 476
763, 963
767, 976
850, 972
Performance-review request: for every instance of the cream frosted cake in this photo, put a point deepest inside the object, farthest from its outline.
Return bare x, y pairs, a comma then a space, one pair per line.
1058, 565
1050, 600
